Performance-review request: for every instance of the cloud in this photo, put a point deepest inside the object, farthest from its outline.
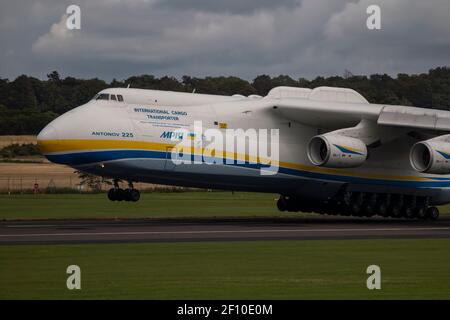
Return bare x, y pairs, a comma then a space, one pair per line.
244, 38
414, 36
59, 40
229, 6
180, 41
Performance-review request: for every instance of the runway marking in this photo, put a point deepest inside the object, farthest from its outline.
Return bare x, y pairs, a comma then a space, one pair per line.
32, 226
216, 231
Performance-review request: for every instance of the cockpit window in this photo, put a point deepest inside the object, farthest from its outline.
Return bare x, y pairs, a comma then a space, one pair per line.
102, 96
107, 96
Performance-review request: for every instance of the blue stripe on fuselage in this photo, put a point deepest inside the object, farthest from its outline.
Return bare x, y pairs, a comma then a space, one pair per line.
84, 158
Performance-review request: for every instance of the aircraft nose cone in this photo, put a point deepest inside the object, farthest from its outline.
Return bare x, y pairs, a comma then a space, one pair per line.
48, 133
47, 137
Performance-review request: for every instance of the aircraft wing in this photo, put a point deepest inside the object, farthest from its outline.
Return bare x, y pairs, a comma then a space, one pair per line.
417, 118
336, 108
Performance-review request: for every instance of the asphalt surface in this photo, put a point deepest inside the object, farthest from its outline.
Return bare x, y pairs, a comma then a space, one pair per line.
216, 229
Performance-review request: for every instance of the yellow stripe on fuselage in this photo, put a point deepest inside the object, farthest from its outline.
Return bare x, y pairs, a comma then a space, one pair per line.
62, 146
56, 146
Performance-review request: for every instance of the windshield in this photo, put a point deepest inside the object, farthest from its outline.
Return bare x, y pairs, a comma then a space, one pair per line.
102, 96
107, 96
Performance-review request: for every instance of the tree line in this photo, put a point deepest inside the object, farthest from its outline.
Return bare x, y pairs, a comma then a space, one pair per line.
27, 104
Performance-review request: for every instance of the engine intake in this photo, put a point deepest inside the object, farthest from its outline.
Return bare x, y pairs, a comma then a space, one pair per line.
431, 157
336, 151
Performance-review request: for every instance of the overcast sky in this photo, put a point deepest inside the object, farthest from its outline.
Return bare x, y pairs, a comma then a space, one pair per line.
245, 38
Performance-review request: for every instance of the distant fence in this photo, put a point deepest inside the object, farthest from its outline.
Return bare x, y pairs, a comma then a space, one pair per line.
68, 185
8, 140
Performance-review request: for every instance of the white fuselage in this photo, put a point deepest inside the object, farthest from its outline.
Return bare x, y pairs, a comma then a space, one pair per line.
133, 140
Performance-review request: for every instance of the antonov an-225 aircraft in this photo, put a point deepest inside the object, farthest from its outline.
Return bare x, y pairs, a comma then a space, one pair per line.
338, 154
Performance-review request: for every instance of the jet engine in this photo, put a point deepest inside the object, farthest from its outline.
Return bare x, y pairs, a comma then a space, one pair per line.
336, 151
431, 156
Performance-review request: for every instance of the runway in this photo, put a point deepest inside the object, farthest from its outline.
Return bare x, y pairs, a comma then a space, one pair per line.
216, 229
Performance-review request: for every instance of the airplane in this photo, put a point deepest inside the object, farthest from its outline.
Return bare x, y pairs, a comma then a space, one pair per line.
338, 154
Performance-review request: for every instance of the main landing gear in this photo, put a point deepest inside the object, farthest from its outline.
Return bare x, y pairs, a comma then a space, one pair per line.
361, 204
118, 194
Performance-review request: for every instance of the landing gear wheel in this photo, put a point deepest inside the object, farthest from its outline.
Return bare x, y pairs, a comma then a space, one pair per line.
421, 212
383, 205
432, 213
395, 212
357, 200
121, 195
117, 194
396, 207
383, 209
281, 204
408, 212
112, 194
355, 209
291, 204
409, 208
133, 195
370, 206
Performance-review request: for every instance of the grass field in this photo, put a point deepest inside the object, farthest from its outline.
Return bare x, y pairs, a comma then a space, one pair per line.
172, 204
410, 269
151, 205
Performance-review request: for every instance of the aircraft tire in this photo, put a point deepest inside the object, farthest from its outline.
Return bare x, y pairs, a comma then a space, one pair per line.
291, 204
395, 211
383, 209
112, 194
408, 212
397, 208
421, 212
357, 201
370, 205
121, 195
355, 209
133, 195
432, 213
281, 204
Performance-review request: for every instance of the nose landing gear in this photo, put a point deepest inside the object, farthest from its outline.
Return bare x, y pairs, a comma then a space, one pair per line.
118, 194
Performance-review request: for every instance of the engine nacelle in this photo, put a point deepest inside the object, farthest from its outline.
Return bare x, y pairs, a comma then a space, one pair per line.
431, 156
336, 151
